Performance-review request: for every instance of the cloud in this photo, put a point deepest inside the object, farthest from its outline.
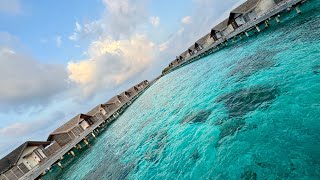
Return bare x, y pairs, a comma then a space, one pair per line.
58, 41
155, 21
112, 62
186, 20
77, 31
26, 81
120, 20
12, 7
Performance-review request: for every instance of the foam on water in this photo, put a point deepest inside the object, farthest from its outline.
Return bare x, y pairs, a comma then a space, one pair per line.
249, 111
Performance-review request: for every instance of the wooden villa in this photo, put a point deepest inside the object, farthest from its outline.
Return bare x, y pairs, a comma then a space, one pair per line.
99, 112
23, 159
250, 11
204, 42
72, 129
219, 30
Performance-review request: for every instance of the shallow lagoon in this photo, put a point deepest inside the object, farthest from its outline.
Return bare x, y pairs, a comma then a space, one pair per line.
249, 111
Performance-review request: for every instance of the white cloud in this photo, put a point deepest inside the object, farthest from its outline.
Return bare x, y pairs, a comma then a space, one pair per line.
120, 20
155, 21
58, 41
12, 7
77, 30
163, 46
112, 62
24, 80
186, 20
78, 27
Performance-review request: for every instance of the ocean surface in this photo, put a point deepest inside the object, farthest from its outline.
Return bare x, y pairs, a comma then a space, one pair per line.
248, 111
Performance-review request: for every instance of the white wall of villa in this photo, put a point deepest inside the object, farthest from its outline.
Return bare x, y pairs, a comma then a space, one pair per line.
240, 21
84, 125
252, 15
208, 42
29, 158
228, 30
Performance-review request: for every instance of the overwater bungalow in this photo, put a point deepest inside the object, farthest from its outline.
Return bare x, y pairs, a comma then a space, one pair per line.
23, 159
132, 92
185, 55
174, 63
191, 51
71, 130
143, 84
250, 11
204, 42
112, 106
220, 30
98, 112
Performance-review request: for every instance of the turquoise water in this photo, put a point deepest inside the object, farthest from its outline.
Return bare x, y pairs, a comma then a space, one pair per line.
249, 111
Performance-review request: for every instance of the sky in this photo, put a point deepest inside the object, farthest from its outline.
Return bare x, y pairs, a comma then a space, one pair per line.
61, 58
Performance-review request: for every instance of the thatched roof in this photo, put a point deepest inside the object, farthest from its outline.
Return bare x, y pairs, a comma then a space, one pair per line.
221, 26
95, 110
13, 157
69, 125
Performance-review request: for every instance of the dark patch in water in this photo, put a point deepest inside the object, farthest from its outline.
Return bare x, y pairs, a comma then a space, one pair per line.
145, 123
231, 127
199, 117
220, 122
316, 70
111, 168
243, 101
253, 64
249, 175
195, 155
157, 147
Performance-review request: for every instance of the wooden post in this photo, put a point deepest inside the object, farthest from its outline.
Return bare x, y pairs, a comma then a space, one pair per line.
60, 165
72, 153
277, 18
298, 9
86, 142
93, 135
258, 29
